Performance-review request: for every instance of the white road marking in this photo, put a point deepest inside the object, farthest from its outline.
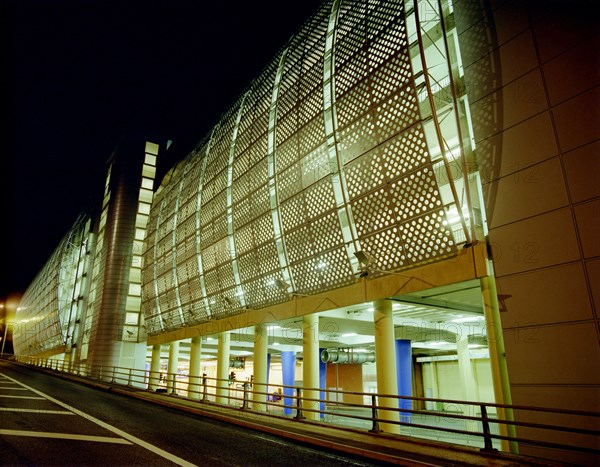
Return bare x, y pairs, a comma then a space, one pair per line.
22, 397
44, 434
58, 412
155, 449
14, 389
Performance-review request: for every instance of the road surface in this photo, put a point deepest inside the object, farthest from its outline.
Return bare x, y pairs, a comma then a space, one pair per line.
46, 420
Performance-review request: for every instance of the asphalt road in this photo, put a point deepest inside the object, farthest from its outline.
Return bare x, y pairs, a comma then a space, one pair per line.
45, 420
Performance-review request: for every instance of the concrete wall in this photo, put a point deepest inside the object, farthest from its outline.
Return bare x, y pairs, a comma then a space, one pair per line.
535, 109
446, 382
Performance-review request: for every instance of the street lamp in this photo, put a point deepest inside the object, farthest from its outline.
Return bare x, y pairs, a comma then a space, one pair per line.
5, 328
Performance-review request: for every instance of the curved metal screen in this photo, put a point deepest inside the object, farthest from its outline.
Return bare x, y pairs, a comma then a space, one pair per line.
327, 153
48, 308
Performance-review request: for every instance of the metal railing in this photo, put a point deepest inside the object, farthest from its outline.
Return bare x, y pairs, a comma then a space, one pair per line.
454, 421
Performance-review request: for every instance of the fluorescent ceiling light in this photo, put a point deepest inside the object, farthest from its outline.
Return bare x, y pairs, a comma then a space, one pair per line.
467, 319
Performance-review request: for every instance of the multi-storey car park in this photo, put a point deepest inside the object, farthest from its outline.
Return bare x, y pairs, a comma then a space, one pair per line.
405, 202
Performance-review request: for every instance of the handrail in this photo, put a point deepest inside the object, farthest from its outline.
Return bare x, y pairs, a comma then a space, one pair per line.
241, 395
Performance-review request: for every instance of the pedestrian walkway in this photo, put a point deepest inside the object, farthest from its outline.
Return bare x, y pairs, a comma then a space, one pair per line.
355, 418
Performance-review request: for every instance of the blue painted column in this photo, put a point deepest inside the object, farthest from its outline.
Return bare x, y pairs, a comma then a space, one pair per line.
322, 381
404, 375
288, 373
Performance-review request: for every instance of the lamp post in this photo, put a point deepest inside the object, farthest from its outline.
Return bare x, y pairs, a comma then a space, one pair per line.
5, 328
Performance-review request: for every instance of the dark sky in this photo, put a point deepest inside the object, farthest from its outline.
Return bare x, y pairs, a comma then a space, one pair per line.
78, 75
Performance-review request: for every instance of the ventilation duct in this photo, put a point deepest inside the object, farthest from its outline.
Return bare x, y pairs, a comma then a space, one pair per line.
347, 357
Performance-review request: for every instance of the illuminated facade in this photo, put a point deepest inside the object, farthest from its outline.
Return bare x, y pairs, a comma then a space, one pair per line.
85, 304
336, 148
51, 304
428, 165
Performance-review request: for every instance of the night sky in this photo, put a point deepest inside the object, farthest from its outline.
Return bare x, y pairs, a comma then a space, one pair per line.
79, 75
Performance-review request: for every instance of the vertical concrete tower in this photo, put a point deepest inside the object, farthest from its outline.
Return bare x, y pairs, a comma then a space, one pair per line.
113, 333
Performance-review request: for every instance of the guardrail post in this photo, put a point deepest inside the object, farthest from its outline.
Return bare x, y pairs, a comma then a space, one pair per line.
487, 439
204, 388
130, 377
299, 415
374, 415
245, 401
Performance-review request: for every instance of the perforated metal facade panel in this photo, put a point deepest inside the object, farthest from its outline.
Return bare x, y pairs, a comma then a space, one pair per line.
49, 306
327, 153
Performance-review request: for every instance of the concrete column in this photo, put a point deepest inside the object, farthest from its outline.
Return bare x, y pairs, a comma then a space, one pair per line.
223, 368
288, 373
432, 371
154, 368
385, 364
172, 367
498, 360
259, 386
310, 365
467, 380
68, 360
195, 359
466, 370
404, 376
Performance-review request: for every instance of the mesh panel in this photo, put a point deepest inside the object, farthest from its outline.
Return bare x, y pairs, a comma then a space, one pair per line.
381, 148
415, 194
289, 182
373, 212
292, 212
298, 244
328, 270
427, 237
288, 152
326, 233
388, 245
365, 173
398, 112
319, 199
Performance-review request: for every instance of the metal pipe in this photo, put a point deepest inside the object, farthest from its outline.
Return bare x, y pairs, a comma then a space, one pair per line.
346, 357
